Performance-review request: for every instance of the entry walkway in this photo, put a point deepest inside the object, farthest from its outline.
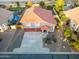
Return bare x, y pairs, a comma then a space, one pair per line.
32, 42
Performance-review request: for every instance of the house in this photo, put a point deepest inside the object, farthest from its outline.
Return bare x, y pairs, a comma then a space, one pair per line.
36, 18
73, 15
5, 15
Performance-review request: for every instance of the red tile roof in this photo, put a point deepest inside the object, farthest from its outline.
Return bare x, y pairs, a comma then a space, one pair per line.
46, 15
38, 15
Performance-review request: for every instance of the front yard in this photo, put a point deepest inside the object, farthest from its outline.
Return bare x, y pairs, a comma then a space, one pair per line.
72, 38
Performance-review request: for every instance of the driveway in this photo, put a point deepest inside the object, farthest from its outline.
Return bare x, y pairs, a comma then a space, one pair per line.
17, 40
32, 42
6, 39
10, 39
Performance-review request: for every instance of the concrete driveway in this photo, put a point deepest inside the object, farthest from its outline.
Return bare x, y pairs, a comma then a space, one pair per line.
32, 42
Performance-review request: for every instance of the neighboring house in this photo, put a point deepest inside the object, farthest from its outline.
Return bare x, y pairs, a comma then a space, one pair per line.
73, 15
5, 15
37, 17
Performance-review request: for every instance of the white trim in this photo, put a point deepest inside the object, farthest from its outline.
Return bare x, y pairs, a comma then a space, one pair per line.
77, 27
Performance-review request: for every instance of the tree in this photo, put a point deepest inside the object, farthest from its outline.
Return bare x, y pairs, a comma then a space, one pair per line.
18, 3
25, 4
63, 17
49, 7
67, 32
59, 8
29, 4
59, 5
42, 4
